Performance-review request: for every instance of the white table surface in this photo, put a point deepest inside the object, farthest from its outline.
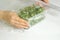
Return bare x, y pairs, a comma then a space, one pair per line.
48, 29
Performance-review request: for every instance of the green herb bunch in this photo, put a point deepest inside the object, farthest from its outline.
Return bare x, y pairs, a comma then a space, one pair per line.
30, 11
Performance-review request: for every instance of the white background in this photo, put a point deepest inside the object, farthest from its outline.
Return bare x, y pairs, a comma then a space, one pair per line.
48, 29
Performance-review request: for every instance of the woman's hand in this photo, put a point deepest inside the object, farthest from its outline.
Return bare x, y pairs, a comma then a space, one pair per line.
46, 1
38, 3
13, 19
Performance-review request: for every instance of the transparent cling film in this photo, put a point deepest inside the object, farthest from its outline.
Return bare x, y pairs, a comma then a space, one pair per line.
33, 14
28, 11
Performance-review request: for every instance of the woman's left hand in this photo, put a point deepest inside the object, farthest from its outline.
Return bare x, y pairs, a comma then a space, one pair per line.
38, 3
14, 19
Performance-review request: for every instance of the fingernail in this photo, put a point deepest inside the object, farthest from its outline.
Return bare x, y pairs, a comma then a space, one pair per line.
27, 28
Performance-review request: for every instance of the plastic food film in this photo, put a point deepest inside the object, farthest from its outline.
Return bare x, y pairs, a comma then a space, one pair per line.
27, 10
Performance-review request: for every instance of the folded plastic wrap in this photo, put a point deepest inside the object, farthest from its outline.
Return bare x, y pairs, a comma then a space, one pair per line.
28, 11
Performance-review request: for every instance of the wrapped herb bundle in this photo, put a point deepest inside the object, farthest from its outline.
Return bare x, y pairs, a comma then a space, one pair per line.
33, 14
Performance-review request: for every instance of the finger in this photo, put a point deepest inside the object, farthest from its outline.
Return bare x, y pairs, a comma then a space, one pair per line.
24, 21
20, 20
19, 25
